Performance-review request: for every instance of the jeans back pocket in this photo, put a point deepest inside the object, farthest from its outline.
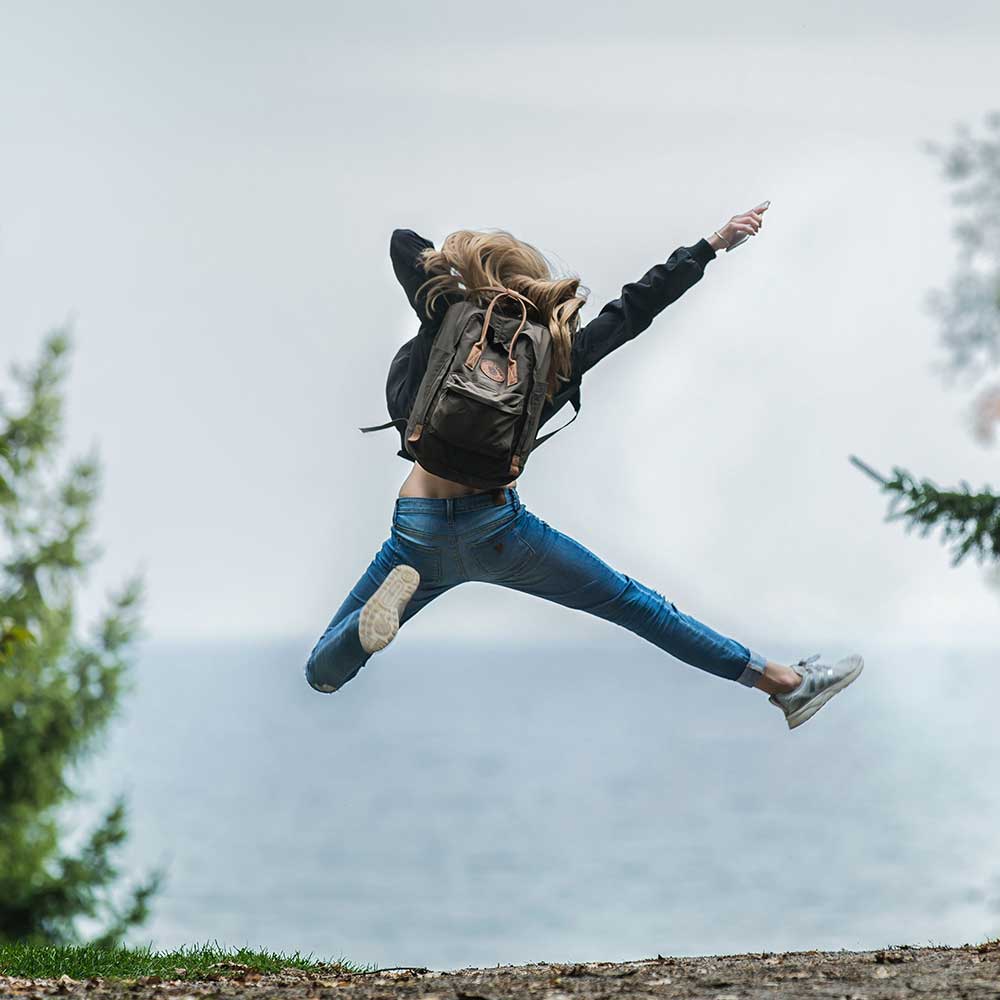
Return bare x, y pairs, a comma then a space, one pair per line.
418, 549
502, 552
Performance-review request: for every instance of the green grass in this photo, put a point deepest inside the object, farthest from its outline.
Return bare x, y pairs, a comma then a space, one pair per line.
39, 961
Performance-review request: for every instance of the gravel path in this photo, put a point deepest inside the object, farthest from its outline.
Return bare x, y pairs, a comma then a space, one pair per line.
968, 973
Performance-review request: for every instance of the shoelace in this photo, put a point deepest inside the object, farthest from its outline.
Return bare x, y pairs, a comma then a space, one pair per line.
807, 661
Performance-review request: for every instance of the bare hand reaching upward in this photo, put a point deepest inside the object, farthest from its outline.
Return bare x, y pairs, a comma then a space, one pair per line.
739, 228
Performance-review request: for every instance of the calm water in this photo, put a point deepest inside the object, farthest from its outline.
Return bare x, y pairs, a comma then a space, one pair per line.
467, 805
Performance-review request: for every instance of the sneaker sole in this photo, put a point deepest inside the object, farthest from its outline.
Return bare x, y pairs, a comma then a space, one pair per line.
379, 620
810, 708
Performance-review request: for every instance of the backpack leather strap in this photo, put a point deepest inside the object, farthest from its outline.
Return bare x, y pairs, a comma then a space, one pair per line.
477, 348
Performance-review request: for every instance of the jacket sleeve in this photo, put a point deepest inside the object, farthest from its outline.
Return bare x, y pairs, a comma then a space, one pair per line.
626, 317
405, 247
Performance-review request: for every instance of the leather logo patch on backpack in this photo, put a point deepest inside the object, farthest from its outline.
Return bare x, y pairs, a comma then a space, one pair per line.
492, 370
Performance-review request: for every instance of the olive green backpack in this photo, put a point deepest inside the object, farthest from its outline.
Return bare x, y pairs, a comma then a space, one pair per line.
480, 400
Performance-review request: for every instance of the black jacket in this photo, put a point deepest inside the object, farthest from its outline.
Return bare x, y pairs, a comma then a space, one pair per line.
619, 321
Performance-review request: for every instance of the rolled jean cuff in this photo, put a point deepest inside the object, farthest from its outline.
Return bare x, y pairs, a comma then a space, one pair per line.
753, 671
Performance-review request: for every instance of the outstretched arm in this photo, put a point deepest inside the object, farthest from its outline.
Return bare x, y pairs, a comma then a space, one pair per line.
626, 317
641, 301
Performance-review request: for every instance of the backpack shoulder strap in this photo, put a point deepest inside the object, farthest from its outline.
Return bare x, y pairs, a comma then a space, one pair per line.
575, 402
398, 422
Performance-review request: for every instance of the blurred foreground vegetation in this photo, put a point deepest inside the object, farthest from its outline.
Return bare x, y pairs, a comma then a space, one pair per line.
969, 313
59, 688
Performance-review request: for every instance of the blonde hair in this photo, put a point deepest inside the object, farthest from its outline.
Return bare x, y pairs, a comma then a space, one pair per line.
469, 259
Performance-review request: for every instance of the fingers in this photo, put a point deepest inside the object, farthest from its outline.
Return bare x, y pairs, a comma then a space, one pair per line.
756, 214
751, 219
746, 223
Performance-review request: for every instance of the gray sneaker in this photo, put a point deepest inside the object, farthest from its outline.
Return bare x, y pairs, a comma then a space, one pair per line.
819, 684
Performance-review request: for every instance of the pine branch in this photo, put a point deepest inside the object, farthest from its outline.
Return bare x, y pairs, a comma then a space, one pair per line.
969, 522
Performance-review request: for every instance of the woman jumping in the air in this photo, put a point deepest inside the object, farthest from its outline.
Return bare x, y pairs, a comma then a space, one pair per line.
521, 321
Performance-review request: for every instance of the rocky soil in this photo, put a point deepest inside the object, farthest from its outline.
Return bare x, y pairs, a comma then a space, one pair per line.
968, 973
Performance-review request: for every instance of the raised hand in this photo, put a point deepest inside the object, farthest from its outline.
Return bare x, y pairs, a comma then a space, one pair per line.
739, 228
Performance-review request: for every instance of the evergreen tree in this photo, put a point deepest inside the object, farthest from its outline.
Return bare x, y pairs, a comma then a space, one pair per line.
969, 312
58, 689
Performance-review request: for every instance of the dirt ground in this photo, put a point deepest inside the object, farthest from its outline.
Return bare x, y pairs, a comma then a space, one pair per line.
972, 971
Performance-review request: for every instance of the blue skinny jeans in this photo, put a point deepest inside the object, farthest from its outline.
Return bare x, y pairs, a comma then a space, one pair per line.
492, 537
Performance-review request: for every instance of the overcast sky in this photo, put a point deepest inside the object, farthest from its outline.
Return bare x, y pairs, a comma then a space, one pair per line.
208, 190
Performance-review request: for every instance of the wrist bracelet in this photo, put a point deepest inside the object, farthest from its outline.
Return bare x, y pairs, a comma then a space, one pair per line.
725, 242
